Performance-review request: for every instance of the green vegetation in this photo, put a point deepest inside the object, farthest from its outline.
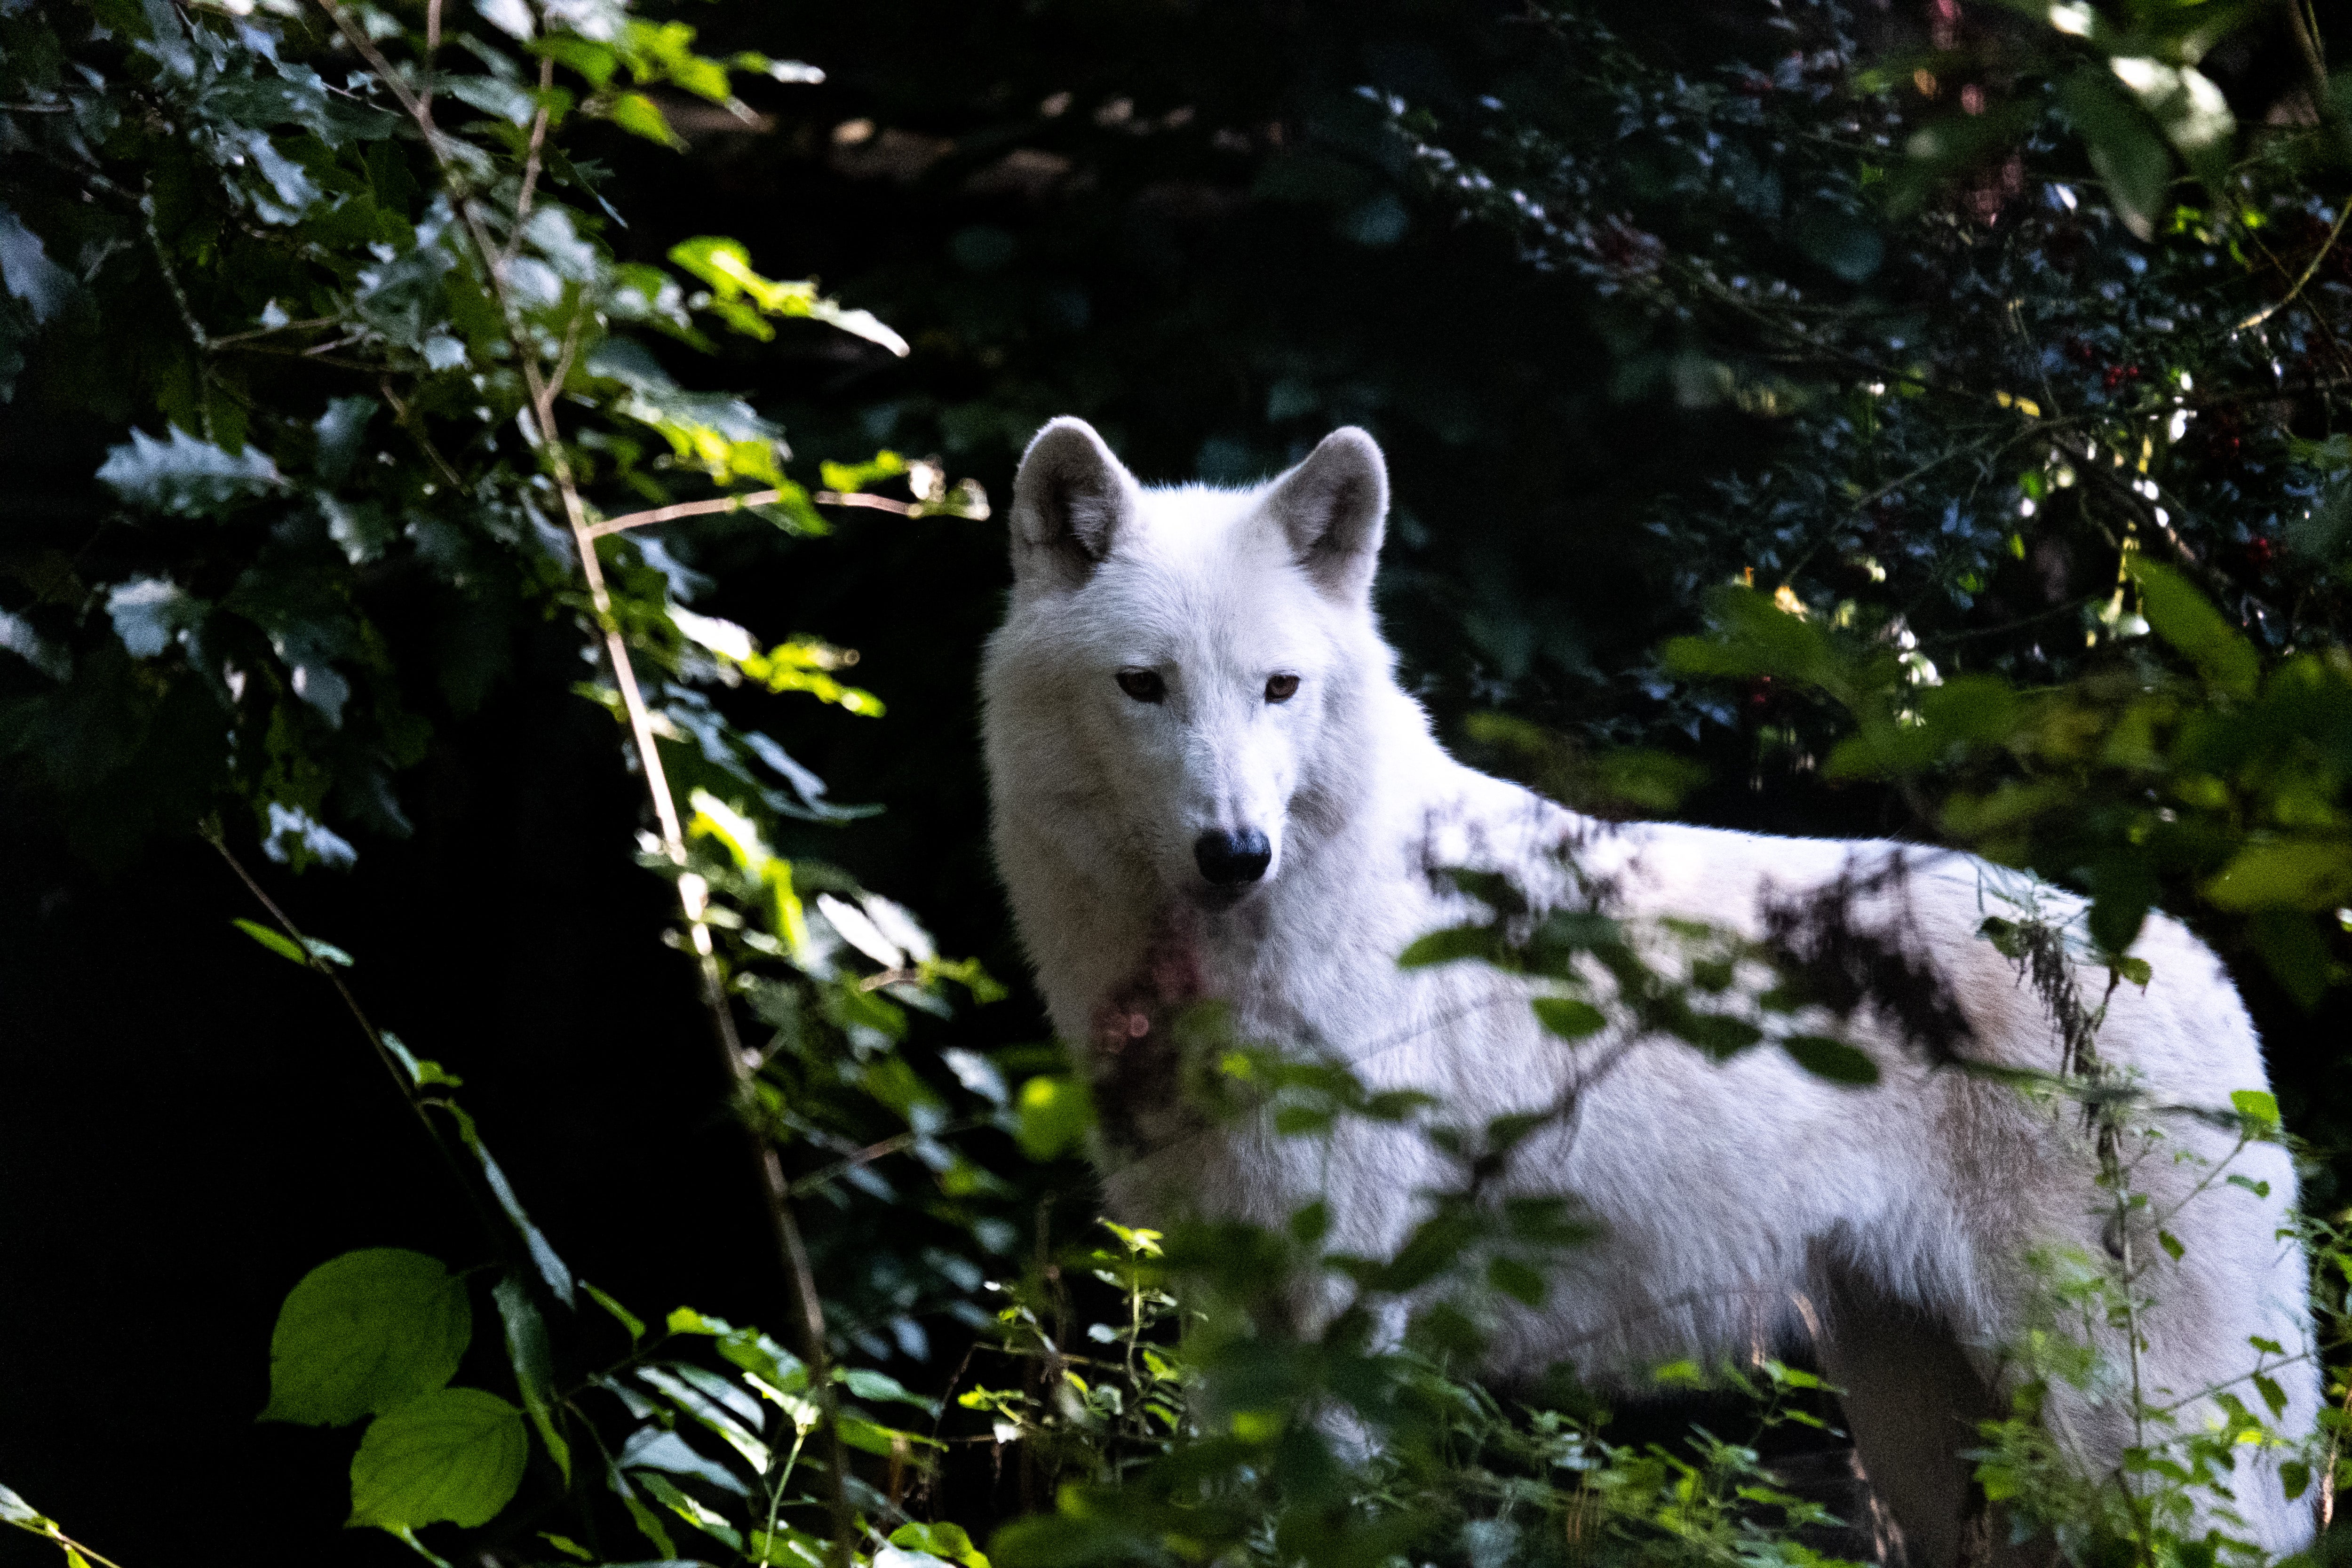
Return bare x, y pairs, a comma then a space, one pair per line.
1939, 430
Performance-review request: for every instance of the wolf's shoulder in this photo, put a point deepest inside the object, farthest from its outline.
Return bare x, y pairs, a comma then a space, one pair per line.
1466, 820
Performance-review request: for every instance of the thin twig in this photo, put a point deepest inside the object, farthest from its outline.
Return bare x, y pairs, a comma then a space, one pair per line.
878, 503
2303, 21
2267, 311
432, 48
501, 1235
684, 509
51, 1532
221, 342
407, 419
737, 503
531, 157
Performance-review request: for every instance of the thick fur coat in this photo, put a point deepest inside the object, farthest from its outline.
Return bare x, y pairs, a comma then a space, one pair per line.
1206, 782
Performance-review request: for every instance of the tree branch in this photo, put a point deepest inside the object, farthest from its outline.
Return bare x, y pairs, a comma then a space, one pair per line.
693, 892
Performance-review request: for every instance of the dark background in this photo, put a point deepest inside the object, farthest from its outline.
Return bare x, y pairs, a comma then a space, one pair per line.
1175, 219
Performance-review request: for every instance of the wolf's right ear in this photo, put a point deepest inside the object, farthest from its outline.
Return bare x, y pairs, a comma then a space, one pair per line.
1069, 502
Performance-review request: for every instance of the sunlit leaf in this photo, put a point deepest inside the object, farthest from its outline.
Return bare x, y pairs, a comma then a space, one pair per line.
456, 1455
363, 1333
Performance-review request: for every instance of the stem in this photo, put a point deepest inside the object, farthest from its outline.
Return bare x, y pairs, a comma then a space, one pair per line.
736, 503
531, 157
693, 893
501, 1233
50, 1532
2267, 311
2303, 21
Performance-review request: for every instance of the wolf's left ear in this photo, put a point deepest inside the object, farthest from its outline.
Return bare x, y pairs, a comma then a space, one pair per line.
1331, 508
1070, 500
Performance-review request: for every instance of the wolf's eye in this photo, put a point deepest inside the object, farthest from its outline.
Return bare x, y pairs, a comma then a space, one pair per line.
1281, 687
1143, 685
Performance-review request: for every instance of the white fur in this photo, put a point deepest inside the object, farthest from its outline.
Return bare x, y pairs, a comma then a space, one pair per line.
1739, 1202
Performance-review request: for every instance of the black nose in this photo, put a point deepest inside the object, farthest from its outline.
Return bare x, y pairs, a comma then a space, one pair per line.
1229, 859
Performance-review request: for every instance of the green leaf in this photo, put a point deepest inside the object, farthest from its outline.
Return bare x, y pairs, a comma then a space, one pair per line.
2284, 874
1053, 1112
182, 474
941, 1540
1832, 1059
453, 1455
2296, 953
2272, 1395
2255, 1105
1516, 1280
2188, 620
2294, 1479
692, 1510
534, 1366
621, 1315
1568, 1017
552, 1267
867, 1384
1447, 947
283, 946
641, 116
764, 1359
649, 1524
150, 615
363, 1333
2194, 114
2124, 148
23, 639
1650, 780
14, 1509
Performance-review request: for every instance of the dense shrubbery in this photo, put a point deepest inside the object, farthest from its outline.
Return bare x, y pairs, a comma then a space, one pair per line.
2037, 482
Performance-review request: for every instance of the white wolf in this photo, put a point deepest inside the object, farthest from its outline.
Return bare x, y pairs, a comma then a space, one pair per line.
1207, 781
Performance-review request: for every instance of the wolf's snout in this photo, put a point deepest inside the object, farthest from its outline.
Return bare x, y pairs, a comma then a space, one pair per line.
1230, 859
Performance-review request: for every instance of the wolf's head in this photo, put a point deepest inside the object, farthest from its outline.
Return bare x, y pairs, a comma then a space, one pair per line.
1173, 686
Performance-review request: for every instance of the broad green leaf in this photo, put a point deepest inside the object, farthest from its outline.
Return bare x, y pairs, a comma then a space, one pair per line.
2188, 620
2255, 1105
453, 1455
363, 1333
1832, 1059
